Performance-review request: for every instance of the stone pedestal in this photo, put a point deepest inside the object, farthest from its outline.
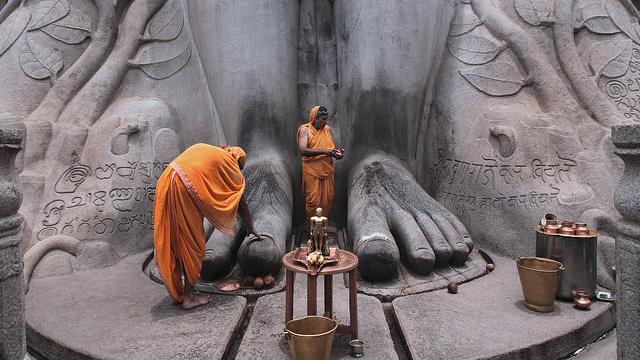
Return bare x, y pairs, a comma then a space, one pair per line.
627, 201
12, 331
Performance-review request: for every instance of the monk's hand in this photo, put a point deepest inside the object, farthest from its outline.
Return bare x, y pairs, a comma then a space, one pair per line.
339, 153
253, 232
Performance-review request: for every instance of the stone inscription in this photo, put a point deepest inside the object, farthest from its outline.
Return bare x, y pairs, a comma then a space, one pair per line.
625, 90
110, 198
456, 180
461, 202
459, 174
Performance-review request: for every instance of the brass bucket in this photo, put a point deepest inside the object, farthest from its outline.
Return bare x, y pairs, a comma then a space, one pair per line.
311, 337
539, 280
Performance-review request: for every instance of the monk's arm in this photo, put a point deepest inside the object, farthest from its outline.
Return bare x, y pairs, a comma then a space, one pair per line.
303, 138
245, 215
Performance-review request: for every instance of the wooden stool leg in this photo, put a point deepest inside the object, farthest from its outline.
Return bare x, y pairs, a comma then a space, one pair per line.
328, 296
312, 294
353, 305
288, 307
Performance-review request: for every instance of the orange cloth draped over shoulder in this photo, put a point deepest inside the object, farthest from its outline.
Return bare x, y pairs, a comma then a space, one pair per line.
203, 181
317, 171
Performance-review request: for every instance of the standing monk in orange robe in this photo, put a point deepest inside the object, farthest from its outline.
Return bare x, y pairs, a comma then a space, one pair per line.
316, 146
203, 181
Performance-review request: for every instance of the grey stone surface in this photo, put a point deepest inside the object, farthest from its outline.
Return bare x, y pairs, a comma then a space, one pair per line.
487, 319
119, 313
627, 201
521, 119
602, 349
264, 339
92, 104
12, 329
499, 110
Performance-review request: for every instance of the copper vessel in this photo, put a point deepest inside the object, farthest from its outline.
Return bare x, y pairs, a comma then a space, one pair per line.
539, 280
567, 228
582, 229
581, 300
551, 227
311, 337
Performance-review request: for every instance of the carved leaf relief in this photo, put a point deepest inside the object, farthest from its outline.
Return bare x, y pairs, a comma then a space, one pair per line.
474, 50
464, 21
162, 61
47, 12
611, 58
601, 25
167, 23
592, 15
534, 11
623, 20
495, 79
39, 61
11, 28
72, 29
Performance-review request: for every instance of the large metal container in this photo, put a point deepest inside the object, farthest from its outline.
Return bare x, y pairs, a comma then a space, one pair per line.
311, 337
578, 254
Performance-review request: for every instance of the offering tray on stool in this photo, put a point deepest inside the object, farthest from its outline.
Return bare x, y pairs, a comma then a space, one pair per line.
300, 257
343, 262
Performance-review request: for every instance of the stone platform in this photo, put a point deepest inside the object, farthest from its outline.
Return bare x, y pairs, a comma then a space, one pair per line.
487, 319
119, 313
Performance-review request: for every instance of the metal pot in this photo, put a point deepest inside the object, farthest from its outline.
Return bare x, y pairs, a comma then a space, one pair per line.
578, 254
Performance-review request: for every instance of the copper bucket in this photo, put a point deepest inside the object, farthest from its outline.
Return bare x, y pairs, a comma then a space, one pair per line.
311, 337
539, 280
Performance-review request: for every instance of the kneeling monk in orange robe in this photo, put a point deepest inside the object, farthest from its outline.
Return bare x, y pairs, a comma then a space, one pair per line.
203, 181
316, 146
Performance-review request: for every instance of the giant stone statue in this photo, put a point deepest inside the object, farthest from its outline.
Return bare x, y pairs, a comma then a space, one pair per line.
462, 119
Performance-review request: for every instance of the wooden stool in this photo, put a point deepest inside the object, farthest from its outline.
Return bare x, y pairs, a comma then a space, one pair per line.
347, 262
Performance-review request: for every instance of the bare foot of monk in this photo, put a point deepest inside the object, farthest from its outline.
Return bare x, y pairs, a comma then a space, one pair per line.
193, 298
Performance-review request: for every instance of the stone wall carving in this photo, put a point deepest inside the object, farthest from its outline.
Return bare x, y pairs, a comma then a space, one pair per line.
553, 152
499, 110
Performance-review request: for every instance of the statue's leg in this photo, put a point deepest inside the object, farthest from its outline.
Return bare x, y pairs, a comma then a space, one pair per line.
249, 53
386, 85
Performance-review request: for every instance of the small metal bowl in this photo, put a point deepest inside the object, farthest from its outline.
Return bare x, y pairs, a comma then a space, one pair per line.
357, 348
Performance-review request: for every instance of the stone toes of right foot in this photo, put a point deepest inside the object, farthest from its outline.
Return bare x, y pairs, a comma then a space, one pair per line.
421, 261
379, 257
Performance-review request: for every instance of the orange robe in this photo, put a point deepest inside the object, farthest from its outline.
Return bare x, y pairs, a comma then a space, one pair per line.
317, 171
203, 181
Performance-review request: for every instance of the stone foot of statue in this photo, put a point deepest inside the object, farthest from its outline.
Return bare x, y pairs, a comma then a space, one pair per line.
269, 195
392, 219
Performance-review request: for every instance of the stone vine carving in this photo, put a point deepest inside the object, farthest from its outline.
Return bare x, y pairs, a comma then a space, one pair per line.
609, 58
